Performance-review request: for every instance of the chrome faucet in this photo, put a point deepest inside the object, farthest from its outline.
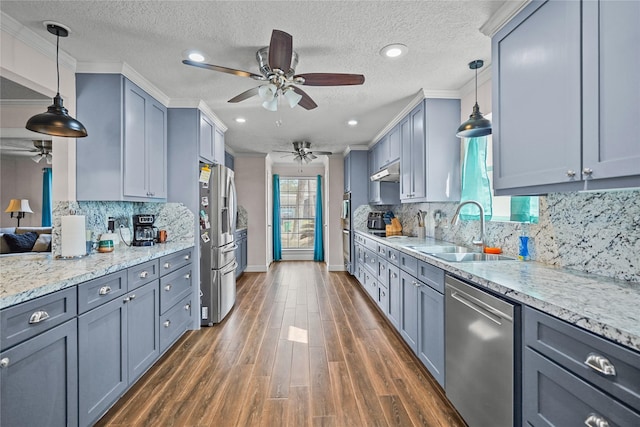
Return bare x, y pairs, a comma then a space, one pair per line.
478, 242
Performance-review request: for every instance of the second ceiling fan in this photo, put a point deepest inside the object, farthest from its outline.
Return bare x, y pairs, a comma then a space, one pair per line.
277, 63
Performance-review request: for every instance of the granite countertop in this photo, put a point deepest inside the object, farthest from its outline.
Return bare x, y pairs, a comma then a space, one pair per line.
241, 228
605, 306
29, 276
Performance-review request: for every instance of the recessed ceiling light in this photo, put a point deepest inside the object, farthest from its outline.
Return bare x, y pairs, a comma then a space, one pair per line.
352, 122
195, 56
394, 50
240, 120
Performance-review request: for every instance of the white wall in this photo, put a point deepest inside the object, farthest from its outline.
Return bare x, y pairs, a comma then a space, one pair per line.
333, 191
251, 186
21, 178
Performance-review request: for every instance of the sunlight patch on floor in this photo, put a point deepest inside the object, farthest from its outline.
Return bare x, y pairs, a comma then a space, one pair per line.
298, 335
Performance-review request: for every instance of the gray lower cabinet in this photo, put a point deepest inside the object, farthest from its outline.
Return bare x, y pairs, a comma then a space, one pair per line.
394, 295
39, 379
573, 377
241, 252
176, 296
117, 342
409, 309
431, 331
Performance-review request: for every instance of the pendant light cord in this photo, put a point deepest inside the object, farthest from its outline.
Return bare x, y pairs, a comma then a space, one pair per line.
476, 84
58, 62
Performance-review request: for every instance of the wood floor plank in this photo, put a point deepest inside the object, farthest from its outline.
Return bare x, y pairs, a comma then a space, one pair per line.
254, 368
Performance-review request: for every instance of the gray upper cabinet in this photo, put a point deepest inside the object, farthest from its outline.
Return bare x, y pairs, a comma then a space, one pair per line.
356, 178
211, 146
430, 152
582, 94
125, 155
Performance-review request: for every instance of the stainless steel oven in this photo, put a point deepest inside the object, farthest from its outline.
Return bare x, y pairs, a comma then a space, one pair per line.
346, 249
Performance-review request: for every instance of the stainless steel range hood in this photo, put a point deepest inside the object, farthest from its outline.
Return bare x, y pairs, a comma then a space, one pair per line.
389, 174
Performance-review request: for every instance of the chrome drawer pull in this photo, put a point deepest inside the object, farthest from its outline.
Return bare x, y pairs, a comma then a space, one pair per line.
167, 288
129, 298
187, 257
167, 323
4, 362
187, 276
187, 307
104, 290
394, 275
144, 274
596, 421
167, 265
38, 317
600, 364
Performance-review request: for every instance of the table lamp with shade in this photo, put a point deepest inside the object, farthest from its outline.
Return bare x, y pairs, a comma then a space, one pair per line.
18, 207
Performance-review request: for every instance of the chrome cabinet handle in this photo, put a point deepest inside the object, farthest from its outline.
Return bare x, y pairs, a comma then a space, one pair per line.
187, 276
587, 171
167, 323
394, 275
104, 290
187, 307
600, 364
167, 265
571, 173
133, 297
38, 316
187, 257
594, 420
393, 256
382, 267
144, 274
167, 288
129, 298
4, 362
416, 284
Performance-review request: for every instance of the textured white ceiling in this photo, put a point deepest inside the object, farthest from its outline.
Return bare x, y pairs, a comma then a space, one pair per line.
329, 36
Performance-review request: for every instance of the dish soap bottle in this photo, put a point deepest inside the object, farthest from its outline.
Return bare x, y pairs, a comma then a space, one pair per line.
523, 253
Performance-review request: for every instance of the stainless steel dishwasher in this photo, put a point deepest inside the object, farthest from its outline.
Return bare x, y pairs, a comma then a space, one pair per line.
479, 355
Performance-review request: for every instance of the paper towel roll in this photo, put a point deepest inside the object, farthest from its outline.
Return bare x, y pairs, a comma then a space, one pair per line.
72, 236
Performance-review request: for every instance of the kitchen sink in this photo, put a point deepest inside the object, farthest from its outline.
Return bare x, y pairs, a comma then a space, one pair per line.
467, 257
440, 249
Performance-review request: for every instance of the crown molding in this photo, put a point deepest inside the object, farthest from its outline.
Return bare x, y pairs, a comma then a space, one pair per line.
351, 148
417, 99
25, 103
200, 105
502, 16
35, 41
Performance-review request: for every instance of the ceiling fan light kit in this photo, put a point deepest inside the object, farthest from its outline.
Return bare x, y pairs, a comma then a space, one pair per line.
477, 125
56, 120
277, 63
302, 152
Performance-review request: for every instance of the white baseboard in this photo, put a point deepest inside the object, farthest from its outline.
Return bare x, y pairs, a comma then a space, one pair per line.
336, 267
256, 269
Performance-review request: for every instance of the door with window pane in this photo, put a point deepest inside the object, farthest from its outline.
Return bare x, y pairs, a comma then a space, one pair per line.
297, 212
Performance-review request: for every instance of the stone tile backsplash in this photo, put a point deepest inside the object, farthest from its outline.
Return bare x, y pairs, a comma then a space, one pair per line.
595, 232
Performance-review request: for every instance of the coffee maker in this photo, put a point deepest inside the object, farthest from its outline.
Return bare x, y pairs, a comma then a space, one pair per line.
144, 233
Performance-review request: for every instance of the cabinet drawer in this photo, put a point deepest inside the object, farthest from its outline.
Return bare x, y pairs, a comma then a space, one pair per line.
431, 275
170, 263
571, 347
31, 318
175, 286
371, 244
383, 270
393, 256
174, 322
95, 292
371, 262
408, 264
143, 273
553, 396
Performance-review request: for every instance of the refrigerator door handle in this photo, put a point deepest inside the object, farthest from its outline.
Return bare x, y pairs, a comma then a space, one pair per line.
231, 249
230, 269
233, 205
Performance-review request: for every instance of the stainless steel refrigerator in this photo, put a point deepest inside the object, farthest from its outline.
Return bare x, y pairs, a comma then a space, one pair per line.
218, 212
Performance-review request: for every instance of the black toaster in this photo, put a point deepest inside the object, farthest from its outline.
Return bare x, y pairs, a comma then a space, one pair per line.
375, 221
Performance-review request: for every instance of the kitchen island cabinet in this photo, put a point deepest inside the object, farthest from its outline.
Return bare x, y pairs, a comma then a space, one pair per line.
124, 157
583, 90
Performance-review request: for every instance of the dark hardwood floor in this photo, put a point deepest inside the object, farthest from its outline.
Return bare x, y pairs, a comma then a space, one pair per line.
302, 347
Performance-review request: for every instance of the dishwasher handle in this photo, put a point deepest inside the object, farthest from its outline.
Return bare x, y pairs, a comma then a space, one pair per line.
480, 307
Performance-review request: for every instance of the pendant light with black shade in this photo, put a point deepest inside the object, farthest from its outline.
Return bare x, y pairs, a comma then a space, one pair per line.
56, 120
477, 125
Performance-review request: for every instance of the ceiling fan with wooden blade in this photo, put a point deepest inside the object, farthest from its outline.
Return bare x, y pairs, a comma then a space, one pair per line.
277, 63
302, 152
42, 148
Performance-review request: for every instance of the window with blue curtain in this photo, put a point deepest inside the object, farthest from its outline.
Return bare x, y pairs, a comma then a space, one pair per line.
318, 245
475, 179
47, 204
277, 238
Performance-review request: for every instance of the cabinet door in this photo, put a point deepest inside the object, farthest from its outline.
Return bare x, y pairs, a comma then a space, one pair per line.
39, 380
156, 130
394, 295
537, 75
218, 146
382, 153
409, 309
418, 152
143, 340
431, 331
102, 361
206, 138
347, 173
245, 253
611, 88
374, 186
406, 174
394, 144
135, 154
